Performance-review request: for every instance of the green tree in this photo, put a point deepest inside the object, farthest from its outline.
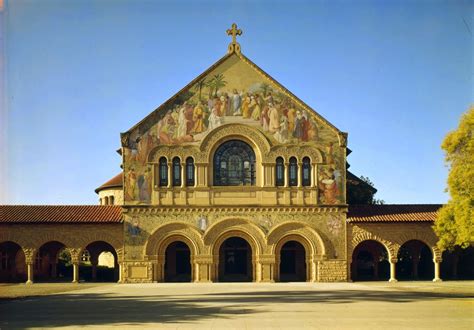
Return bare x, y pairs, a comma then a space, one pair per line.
455, 222
361, 190
216, 82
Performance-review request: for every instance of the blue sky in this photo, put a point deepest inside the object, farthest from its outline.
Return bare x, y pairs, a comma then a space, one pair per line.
396, 75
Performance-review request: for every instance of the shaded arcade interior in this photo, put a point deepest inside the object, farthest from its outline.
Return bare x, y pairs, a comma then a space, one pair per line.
414, 261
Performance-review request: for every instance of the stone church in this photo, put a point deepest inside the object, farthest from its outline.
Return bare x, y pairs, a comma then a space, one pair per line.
233, 178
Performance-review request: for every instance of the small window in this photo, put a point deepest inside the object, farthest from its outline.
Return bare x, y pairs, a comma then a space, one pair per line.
190, 172
280, 172
306, 174
176, 172
111, 200
293, 172
106, 199
163, 172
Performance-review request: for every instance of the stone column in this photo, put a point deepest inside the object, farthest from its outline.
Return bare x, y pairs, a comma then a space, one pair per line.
183, 173
300, 174
75, 259
265, 268
170, 172
203, 268
120, 272
437, 262
286, 175
29, 260
393, 270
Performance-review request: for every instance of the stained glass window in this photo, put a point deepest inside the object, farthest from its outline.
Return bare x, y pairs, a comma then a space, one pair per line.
280, 172
176, 172
190, 172
163, 172
293, 172
306, 172
234, 164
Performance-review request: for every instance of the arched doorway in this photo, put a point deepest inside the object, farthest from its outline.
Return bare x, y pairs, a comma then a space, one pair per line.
12, 263
53, 263
99, 263
178, 262
370, 262
415, 261
235, 260
292, 262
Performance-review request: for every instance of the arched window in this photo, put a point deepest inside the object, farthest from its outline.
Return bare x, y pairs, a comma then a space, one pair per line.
234, 164
306, 174
176, 171
111, 200
293, 172
163, 172
189, 172
106, 199
280, 172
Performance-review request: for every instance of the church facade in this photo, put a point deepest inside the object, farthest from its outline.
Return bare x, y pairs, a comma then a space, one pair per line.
232, 179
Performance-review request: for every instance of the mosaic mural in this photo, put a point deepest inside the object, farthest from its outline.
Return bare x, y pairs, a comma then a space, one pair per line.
234, 92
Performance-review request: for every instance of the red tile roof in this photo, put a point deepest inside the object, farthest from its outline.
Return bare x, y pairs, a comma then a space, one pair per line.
60, 214
116, 181
393, 212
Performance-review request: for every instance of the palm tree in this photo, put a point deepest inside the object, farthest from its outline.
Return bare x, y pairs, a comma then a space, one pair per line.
218, 82
199, 85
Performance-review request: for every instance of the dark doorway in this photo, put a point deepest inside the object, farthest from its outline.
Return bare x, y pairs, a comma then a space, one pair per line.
178, 263
370, 262
235, 261
415, 261
12, 263
292, 262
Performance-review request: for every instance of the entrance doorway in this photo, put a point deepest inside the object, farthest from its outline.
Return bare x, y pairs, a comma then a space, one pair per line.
178, 263
292, 262
235, 261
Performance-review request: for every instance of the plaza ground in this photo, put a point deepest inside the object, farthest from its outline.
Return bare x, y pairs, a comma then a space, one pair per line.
365, 305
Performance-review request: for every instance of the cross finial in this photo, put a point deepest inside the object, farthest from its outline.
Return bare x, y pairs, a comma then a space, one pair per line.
234, 32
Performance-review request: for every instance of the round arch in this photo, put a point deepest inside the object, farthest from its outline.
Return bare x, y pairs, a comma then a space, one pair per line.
370, 261
427, 239
234, 233
254, 233
12, 262
308, 250
316, 246
165, 233
391, 248
415, 261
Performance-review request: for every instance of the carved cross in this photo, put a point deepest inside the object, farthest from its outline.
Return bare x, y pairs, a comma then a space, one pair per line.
234, 32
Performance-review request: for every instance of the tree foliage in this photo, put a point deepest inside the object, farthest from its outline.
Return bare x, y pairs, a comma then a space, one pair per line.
455, 222
361, 190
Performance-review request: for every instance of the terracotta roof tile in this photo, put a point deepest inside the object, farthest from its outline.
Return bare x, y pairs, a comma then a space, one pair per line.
60, 214
116, 181
393, 212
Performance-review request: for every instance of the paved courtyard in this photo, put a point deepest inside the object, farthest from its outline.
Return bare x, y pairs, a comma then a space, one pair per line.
446, 305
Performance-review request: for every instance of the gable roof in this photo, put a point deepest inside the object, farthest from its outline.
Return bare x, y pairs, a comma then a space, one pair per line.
155, 113
393, 213
12, 214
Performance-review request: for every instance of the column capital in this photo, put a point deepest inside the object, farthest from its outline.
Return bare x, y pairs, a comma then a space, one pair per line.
29, 255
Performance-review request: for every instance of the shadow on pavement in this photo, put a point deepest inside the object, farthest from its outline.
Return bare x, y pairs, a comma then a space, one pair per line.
109, 309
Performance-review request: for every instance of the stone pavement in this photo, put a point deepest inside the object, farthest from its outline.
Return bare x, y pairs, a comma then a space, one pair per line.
377, 305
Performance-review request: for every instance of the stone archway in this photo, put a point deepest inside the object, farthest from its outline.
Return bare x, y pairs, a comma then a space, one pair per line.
252, 250
370, 262
99, 262
415, 261
12, 262
162, 237
177, 261
235, 261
